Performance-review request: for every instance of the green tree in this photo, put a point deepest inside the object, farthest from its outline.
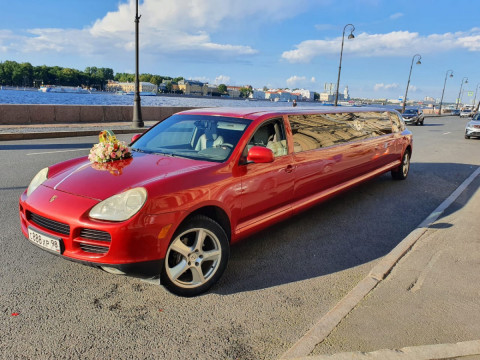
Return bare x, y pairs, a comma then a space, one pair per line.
222, 89
245, 92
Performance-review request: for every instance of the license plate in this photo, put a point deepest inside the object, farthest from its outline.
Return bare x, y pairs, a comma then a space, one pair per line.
44, 241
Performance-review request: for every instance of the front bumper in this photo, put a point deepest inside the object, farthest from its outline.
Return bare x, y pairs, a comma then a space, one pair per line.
133, 246
472, 132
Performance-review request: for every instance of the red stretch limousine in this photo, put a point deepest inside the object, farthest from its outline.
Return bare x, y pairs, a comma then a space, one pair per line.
201, 180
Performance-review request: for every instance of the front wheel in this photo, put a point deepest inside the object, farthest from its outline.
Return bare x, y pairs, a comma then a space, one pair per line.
196, 258
467, 137
401, 172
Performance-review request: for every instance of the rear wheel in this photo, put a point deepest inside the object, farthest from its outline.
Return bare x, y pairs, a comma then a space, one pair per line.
401, 172
196, 258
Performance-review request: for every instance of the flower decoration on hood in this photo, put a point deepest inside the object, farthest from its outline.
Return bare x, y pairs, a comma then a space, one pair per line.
108, 149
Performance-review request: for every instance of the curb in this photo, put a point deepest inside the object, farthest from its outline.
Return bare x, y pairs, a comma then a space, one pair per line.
423, 352
61, 134
320, 331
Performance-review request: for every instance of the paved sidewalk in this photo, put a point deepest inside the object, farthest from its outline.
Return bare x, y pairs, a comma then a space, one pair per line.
428, 306
44, 131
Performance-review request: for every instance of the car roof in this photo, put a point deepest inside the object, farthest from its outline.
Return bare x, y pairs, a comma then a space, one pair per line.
253, 113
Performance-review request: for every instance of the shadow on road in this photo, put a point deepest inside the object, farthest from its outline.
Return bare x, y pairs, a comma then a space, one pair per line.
357, 227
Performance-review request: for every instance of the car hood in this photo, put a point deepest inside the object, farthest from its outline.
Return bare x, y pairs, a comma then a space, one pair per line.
101, 180
473, 122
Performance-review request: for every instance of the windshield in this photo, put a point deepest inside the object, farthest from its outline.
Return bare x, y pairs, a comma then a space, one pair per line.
410, 111
200, 137
476, 117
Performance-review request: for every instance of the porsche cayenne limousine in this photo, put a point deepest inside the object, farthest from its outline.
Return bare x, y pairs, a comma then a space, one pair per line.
203, 179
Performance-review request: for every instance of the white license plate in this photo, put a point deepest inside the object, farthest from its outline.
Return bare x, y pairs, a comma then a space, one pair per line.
44, 241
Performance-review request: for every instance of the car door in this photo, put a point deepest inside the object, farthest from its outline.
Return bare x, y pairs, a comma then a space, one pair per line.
267, 188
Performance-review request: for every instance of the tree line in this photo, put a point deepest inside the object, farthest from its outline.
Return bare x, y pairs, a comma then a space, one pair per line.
25, 74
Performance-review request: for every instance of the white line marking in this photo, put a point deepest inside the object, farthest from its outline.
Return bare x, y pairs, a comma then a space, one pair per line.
53, 152
447, 133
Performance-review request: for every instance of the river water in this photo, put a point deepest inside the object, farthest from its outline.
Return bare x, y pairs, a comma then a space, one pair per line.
103, 98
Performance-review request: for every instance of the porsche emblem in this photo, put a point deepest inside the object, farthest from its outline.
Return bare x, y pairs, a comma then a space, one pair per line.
52, 199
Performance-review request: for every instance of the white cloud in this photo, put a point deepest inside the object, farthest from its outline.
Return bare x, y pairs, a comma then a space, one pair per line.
222, 79
396, 16
383, 86
391, 44
166, 27
300, 81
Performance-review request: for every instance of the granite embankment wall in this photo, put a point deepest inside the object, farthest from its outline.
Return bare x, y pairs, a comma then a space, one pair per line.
64, 114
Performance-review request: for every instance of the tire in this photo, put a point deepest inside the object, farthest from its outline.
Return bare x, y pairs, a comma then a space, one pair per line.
401, 172
196, 257
421, 123
467, 137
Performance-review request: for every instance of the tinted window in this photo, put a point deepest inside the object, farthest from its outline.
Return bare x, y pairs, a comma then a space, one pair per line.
397, 124
321, 130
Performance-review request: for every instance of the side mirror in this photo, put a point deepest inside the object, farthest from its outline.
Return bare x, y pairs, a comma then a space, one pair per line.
135, 138
260, 154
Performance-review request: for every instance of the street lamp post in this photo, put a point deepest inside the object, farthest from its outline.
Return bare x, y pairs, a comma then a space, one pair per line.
341, 54
408, 83
137, 110
444, 83
460, 92
475, 97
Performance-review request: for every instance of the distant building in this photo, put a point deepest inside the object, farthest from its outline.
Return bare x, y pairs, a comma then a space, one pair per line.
304, 95
257, 94
191, 87
115, 86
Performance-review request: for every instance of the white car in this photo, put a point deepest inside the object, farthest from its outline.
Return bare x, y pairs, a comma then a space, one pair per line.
465, 113
473, 127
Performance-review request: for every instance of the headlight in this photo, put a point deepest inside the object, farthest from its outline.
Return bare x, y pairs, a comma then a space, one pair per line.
120, 207
37, 180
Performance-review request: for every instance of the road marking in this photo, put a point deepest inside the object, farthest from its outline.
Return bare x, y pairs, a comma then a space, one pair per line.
54, 152
447, 133
319, 332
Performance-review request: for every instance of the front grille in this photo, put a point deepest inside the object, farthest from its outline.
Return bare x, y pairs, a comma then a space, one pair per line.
95, 249
98, 235
49, 224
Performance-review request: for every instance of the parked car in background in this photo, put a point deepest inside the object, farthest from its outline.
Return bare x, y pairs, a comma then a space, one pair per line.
473, 127
455, 112
466, 113
413, 116
203, 179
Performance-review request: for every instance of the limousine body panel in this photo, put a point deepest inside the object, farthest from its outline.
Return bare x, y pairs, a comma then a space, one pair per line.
210, 177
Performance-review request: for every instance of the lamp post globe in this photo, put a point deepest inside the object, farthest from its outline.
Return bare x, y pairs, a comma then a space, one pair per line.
408, 83
443, 91
459, 99
351, 36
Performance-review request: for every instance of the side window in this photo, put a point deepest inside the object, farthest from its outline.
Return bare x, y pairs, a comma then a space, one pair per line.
377, 123
397, 124
270, 134
315, 131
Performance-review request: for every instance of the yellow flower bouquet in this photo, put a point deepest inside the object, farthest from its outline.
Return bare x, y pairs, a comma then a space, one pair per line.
108, 149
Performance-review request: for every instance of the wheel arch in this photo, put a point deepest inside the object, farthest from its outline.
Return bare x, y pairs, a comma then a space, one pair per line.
215, 213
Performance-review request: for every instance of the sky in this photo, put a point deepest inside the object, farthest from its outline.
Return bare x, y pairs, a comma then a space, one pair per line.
278, 44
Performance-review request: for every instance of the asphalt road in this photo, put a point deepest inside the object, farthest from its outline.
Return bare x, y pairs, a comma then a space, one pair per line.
278, 283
